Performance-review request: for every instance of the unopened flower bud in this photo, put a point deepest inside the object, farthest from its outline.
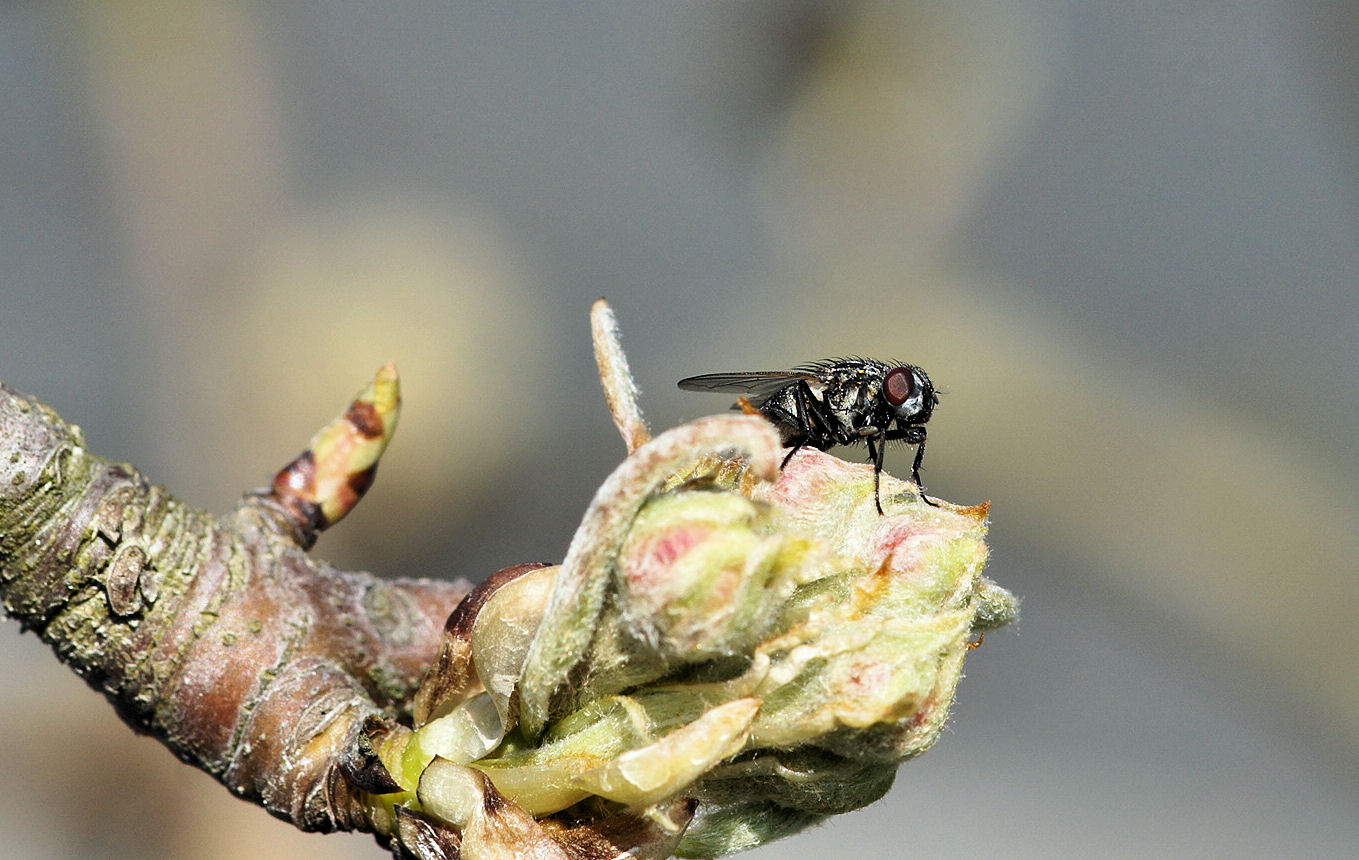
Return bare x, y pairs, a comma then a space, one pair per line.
700, 575
763, 642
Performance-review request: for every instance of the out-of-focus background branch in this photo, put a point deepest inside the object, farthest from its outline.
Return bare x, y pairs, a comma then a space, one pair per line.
1121, 237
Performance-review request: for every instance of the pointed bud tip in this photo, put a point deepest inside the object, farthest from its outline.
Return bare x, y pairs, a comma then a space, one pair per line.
384, 392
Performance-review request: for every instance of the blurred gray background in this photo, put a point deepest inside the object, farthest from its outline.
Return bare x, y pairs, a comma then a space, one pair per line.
1122, 237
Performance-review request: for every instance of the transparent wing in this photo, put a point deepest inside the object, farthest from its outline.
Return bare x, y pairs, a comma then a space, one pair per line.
760, 383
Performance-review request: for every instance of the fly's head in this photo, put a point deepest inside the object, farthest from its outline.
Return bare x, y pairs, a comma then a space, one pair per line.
907, 389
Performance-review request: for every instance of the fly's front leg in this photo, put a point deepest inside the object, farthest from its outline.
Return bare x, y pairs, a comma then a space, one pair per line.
914, 435
915, 472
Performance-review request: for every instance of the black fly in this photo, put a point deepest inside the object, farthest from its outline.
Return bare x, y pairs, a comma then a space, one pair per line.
839, 402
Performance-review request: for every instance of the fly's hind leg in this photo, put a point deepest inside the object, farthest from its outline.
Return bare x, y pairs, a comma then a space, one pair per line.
811, 424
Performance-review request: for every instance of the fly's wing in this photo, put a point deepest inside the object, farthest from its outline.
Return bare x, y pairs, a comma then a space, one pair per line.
760, 385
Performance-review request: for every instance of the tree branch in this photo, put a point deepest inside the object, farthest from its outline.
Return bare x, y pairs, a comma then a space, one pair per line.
219, 636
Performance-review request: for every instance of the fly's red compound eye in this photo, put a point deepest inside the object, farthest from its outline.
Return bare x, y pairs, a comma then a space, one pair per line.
898, 386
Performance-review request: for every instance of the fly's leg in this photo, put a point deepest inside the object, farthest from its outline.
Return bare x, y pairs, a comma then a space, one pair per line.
807, 419
875, 453
913, 435
915, 473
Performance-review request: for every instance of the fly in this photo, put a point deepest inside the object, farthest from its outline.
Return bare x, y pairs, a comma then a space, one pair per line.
843, 401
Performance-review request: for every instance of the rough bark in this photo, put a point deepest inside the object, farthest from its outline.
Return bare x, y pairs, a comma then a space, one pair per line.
219, 636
